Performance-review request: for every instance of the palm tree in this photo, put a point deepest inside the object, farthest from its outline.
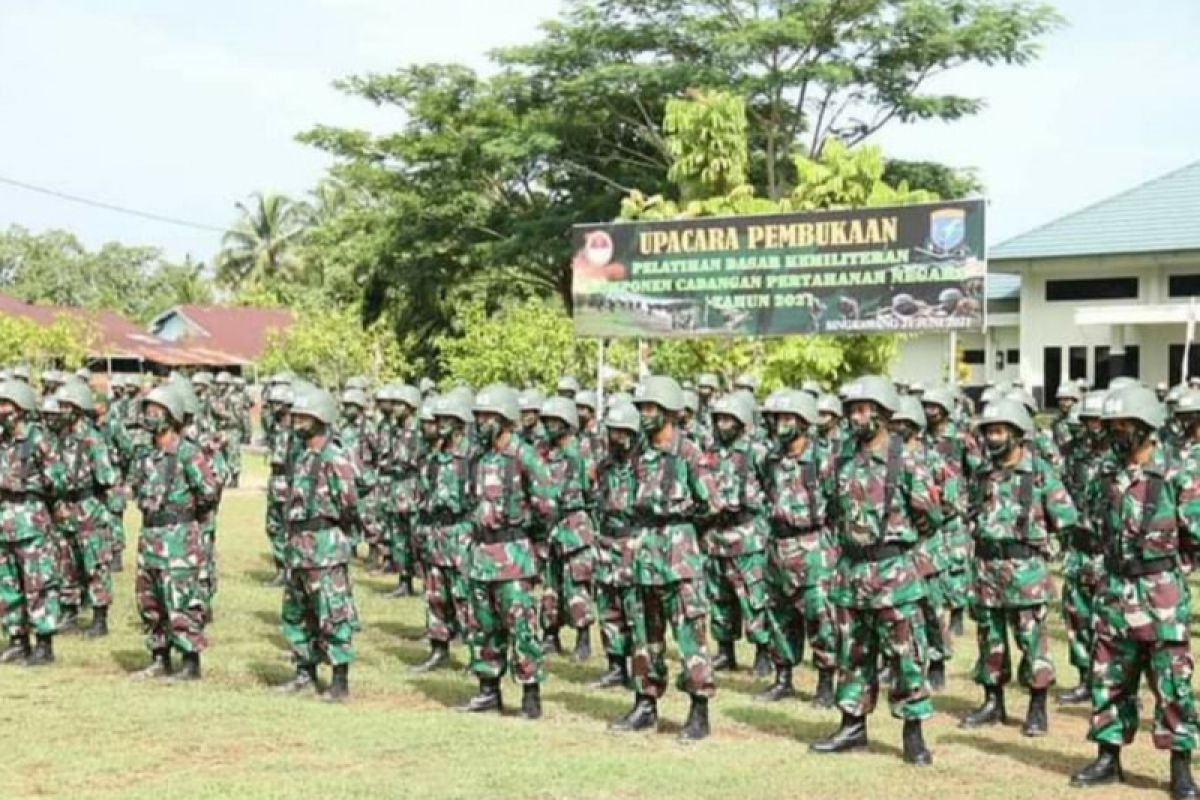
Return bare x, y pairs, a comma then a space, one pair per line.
260, 247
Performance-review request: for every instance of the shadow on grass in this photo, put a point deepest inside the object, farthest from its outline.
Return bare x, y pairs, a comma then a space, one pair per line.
603, 708
1038, 756
407, 654
270, 618
774, 722
447, 689
258, 577
131, 661
401, 630
271, 673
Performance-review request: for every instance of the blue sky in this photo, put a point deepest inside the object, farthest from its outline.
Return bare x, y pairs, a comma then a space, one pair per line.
183, 108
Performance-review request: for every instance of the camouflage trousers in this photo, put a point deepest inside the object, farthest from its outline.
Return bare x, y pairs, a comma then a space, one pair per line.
208, 565
117, 501
614, 604
319, 616
800, 614
86, 562
1028, 624
29, 582
1117, 666
935, 633
681, 606
736, 587
233, 453
276, 532
400, 544
567, 589
504, 619
869, 636
956, 588
1078, 602
171, 606
447, 603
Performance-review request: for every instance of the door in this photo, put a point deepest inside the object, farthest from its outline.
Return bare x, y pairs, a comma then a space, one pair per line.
1175, 363
1051, 374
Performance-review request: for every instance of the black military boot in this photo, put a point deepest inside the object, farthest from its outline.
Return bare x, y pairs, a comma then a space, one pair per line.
1182, 785
762, 662
643, 716
583, 645
17, 650
531, 701
824, 695
726, 660
937, 676
339, 687
404, 588
160, 666
616, 675
850, 735
550, 643
118, 562
990, 713
956, 622
69, 622
1105, 769
43, 652
915, 751
439, 656
1036, 723
781, 689
189, 669
696, 726
1080, 694
234, 481
99, 626
305, 680
488, 698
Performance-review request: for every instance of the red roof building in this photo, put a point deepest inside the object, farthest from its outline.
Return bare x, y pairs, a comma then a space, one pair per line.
237, 331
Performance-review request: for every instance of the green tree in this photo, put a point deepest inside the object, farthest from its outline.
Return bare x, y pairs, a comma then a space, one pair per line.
65, 342
260, 247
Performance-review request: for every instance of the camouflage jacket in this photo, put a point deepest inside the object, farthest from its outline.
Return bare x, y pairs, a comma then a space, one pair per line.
870, 515
445, 503
285, 452
674, 491
800, 492
962, 458
321, 509
1020, 506
573, 475
30, 474
173, 488
399, 460
616, 488
1063, 430
89, 475
1139, 528
740, 527
1084, 557
932, 553
360, 441
508, 487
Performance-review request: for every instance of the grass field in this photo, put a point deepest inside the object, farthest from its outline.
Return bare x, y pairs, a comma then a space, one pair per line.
81, 729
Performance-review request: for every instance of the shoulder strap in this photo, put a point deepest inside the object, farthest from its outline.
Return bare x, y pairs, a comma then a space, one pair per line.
1025, 499
1154, 487
895, 454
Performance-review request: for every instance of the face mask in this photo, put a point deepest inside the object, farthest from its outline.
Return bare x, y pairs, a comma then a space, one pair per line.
156, 424
728, 434
445, 429
1097, 438
429, 432
556, 428
1129, 441
56, 422
620, 442
865, 431
934, 415
351, 413
999, 449
304, 428
786, 432
487, 432
652, 422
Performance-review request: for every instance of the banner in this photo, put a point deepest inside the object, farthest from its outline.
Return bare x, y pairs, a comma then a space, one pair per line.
909, 268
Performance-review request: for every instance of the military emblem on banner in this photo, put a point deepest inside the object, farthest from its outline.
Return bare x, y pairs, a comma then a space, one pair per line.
947, 229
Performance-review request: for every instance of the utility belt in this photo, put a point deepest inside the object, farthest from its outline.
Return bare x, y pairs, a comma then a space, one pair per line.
312, 524
163, 519
655, 520
1136, 568
733, 518
500, 535
783, 531
399, 473
278, 470
20, 497
876, 552
79, 496
1004, 551
442, 517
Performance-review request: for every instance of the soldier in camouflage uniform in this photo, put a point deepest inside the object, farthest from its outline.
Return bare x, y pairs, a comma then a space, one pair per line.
282, 451
591, 436
735, 541
226, 413
568, 387
532, 431
81, 514
616, 598
319, 616
400, 459
508, 485
1021, 501
356, 435
174, 485
30, 475
120, 438
1083, 561
568, 570
1143, 610
885, 501
1065, 428
674, 492
799, 482
200, 428
445, 518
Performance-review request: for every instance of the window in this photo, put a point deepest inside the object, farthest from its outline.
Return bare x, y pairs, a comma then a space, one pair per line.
1128, 364
1184, 285
1092, 289
1014, 357
1077, 363
973, 357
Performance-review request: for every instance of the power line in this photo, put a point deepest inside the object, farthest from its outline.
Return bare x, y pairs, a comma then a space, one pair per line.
110, 207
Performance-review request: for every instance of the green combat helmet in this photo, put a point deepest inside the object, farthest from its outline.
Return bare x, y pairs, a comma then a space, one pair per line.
910, 410
202, 379
354, 397
454, 406
169, 400
359, 382
1024, 398
768, 407
790, 401
19, 394
1068, 391
498, 399
280, 394
568, 385
734, 406
811, 387
1011, 413
426, 413
561, 408
317, 404
619, 398
746, 381
623, 417
829, 404
1174, 393
1123, 382
531, 400
587, 399
873, 389
224, 378
940, 396
426, 385
1092, 406
77, 395
708, 380
1137, 403
1188, 403
691, 400
21, 373
409, 395
660, 390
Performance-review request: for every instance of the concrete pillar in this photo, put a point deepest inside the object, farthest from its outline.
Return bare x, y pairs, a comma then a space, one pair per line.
1116, 352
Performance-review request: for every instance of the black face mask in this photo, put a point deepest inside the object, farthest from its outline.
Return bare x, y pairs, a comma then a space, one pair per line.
305, 428
1125, 443
865, 431
156, 425
446, 429
653, 422
999, 450
487, 432
556, 428
351, 413
620, 441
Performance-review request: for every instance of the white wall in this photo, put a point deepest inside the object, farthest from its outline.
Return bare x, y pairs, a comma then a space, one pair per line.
925, 357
